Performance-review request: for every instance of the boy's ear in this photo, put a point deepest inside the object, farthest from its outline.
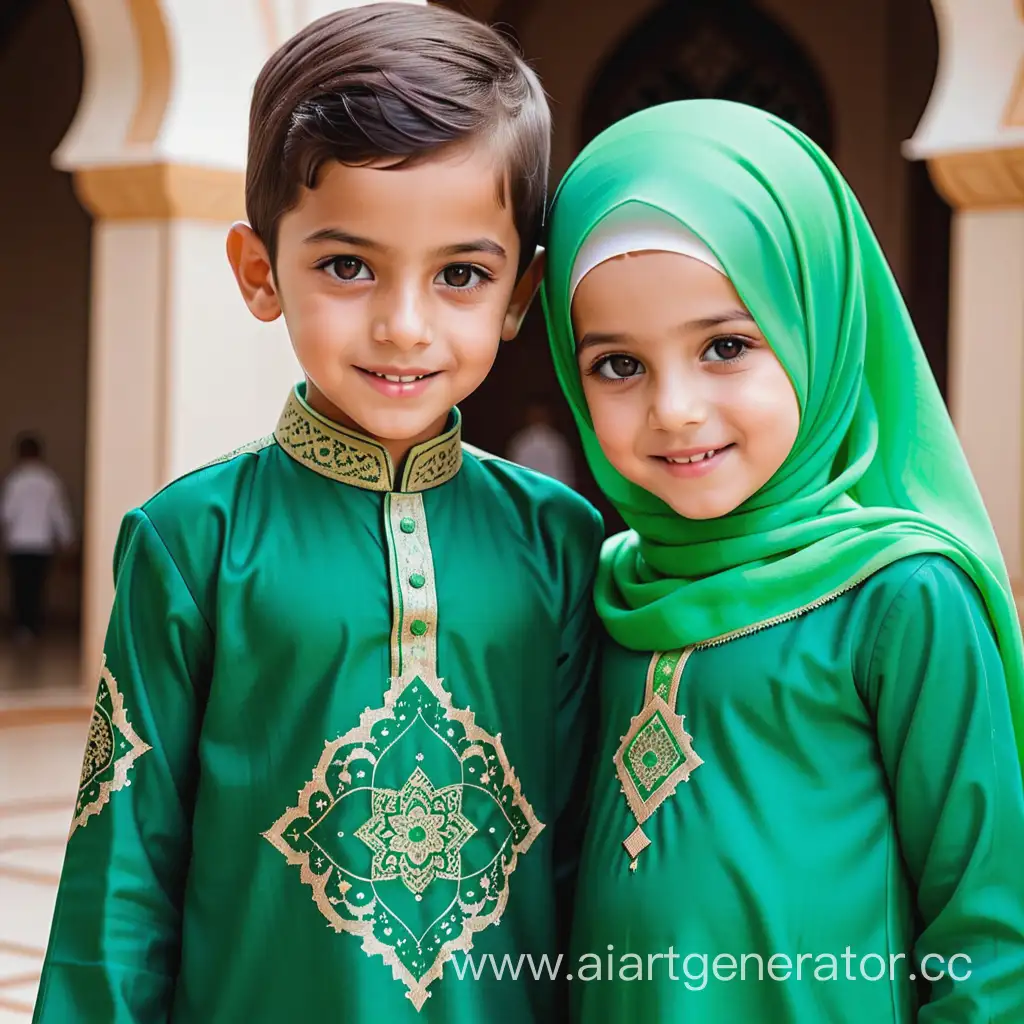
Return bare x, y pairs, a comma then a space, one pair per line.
251, 263
523, 295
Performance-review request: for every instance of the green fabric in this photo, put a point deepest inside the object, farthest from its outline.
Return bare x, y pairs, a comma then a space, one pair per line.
859, 789
250, 651
877, 472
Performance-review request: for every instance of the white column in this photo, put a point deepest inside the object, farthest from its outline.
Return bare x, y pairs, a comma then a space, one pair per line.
179, 372
972, 136
986, 364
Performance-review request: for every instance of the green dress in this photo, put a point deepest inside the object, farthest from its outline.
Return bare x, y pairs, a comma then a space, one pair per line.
339, 722
840, 791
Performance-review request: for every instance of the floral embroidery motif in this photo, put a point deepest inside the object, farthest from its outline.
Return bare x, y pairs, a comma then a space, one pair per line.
416, 833
112, 747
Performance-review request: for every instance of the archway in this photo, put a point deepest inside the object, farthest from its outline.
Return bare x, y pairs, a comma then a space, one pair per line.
723, 49
44, 275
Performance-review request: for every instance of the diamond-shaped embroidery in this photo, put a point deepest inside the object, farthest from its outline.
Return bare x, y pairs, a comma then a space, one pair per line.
654, 754
111, 749
654, 757
409, 831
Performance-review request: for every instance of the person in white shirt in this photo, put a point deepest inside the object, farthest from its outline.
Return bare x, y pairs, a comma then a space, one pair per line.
541, 447
36, 524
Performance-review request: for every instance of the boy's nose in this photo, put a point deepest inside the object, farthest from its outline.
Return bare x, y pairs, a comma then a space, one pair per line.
402, 321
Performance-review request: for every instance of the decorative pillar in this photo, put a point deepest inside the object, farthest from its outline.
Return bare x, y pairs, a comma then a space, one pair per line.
179, 371
972, 136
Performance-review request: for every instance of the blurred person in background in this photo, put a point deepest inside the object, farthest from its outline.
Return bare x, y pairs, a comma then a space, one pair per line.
36, 524
539, 445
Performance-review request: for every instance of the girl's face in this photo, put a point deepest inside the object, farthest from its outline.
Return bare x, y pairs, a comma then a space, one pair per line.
686, 396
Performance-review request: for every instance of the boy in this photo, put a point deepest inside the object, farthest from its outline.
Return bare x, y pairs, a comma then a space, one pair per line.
345, 675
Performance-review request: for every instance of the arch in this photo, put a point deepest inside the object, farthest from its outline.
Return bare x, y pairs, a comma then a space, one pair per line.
45, 287
127, 82
724, 49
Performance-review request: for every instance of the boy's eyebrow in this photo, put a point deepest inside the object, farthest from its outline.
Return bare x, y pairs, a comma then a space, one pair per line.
344, 237
460, 248
593, 338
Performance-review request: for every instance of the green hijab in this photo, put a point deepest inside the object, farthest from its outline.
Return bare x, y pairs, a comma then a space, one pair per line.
877, 472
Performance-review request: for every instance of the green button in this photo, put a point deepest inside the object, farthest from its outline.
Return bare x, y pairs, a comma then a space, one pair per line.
408, 525
417, 581
417, 627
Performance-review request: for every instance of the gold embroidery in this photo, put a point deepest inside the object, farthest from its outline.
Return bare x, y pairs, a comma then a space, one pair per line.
250, 447
414, 620
358, 857
413, 822
656, 754
351, 458
111, 749
636, 842
434, 462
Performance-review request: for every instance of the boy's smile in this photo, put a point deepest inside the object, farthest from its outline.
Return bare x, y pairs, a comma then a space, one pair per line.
687, 398
397, 284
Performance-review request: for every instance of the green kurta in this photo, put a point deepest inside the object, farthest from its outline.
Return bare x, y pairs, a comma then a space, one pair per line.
845, 786
336, 728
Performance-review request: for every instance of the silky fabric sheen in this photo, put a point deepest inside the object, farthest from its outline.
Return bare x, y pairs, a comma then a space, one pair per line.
859, 795
876, 473
252, 625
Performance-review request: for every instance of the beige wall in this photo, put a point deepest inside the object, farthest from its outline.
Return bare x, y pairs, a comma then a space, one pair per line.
44, 258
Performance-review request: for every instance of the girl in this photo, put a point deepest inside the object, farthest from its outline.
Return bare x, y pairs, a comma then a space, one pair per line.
808, 802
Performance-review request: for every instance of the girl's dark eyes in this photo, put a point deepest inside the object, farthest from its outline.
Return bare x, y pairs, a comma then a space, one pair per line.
617, 367
726, 350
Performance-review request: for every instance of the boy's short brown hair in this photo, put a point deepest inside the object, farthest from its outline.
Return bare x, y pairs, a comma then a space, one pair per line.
394, 80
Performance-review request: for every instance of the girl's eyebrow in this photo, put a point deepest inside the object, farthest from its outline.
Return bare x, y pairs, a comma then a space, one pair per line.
713, 321
592, 338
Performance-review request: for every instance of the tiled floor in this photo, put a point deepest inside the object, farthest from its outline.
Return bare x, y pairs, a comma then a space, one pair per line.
43, 721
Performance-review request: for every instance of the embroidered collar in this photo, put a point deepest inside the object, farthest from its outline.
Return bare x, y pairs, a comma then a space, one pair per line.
352, 458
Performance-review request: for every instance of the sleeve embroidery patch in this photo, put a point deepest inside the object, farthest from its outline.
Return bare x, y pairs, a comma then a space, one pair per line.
111, 749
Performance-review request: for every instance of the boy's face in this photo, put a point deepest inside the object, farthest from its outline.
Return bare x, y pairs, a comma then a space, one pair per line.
674, 368
397, 286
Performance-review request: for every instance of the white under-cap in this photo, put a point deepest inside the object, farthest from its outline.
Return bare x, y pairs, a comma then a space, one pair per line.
637, 227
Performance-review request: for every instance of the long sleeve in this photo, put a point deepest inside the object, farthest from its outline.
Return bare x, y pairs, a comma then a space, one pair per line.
576, 726
115, 941
936, 686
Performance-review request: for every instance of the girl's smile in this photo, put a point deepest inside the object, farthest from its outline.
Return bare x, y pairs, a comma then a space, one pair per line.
687, 398
686, 465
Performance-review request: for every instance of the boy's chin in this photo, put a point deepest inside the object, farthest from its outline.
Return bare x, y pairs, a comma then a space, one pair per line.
396, 427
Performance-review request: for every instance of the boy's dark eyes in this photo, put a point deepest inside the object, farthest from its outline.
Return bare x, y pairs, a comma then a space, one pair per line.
459, 276
346, 268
